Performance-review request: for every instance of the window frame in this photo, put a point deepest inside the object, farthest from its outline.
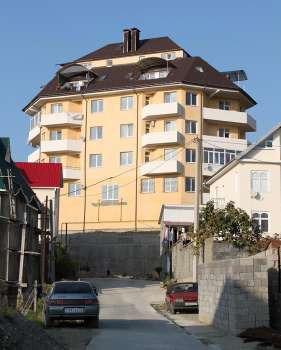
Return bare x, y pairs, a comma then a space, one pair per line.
55, 132
94, 135
99, 105
169, 100
191, 99
224, 132
150, 188
259, 219
129, 103
260, 179
190, 123
224, 105
129, 158
168, 181
76, 192
192, 155
55, 157
95, 160
129, 126
114, 189
192, 184
173, 151
59, 105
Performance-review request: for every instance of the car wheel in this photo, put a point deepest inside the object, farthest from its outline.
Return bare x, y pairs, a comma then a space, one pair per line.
46, 320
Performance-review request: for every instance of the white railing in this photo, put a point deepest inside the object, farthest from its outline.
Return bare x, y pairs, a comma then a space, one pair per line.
152, 111
61, 146
162, 138
71, 172
155, 167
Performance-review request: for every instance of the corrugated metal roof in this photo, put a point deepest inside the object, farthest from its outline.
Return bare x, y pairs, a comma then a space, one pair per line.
42, 174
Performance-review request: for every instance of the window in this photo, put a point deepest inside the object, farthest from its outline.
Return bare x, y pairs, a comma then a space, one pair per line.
190, 184
147, 127
259, 181
225, 105
126, 158
126, 130
74, 189
170, 125
146, 156
170, 97
260, 219
147, 185
218, 156
170, 184
190, 155
191, 99
109, 192
95, 160
55, 135
170, 153
223, 132
96, 133
190, 126
269, 142
147, 100
126, 103
156, 74
55, 159
56, 108
168, 56
96, 106
109, 63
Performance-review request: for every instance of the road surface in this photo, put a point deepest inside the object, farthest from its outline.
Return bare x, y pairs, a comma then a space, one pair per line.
127, 321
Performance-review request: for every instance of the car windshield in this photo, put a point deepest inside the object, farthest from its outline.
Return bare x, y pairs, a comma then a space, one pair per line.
185, 287
72, 287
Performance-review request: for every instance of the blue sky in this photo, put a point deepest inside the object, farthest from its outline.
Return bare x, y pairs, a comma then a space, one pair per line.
36, 35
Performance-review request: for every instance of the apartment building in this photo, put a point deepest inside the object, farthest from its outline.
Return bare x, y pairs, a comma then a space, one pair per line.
124, 121
253, 182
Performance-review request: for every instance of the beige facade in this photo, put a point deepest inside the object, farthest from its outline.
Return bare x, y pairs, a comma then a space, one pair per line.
254, 183
134, 141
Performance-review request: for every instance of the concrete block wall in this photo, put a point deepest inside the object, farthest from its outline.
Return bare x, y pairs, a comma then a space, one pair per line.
233, 294
127, 253
182, 262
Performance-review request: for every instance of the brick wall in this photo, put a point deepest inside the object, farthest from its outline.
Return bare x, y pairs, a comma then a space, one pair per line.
233, 294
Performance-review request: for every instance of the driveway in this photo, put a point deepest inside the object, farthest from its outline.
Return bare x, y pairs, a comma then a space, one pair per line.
129, 322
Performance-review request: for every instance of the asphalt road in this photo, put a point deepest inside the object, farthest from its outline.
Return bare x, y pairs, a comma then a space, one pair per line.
127, 321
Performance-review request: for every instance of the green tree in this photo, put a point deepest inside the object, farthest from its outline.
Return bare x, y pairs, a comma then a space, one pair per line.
230, 224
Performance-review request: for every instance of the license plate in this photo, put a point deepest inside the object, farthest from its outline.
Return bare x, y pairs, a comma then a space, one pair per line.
74, 310
190, 304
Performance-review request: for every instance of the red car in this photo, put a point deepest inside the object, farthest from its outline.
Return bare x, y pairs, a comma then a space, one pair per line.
182, 296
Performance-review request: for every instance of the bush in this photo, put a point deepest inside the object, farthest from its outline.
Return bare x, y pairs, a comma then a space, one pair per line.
66, 267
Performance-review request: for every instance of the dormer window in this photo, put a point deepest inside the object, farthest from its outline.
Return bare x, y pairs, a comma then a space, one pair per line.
168, 56
155, 74
74, 76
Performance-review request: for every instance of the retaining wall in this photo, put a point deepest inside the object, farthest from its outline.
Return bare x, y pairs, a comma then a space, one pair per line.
233, 294
126, 253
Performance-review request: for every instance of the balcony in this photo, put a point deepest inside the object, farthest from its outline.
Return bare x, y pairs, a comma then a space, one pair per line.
34, 134
71, 173
242, 118
65, 146
162, 138
160, 167
224, 143
34, 156
154, 111
64, 118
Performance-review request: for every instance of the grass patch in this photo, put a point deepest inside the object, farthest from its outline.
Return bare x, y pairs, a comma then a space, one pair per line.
8, 313
36, 316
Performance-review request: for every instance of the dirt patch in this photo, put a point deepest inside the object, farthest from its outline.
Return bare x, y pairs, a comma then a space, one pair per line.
17, 333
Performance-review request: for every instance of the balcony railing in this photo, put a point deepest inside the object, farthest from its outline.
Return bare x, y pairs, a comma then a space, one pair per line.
224, 143
63, 118
158, 167
242, 118
53, 146
71, 173
162, 138
153, 111
34, 156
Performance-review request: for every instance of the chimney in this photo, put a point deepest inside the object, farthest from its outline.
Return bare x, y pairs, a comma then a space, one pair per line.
135, 39
126, 40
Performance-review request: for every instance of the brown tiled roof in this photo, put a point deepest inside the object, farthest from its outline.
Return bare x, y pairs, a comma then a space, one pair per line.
146, 46
183, 70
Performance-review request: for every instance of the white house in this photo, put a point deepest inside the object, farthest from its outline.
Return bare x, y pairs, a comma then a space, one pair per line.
253, 182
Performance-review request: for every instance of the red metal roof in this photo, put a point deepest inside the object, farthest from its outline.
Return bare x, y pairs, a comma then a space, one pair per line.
42, 174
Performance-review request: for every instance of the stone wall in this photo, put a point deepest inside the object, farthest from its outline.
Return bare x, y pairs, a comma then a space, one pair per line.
126, 253
233, 294
182, 262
